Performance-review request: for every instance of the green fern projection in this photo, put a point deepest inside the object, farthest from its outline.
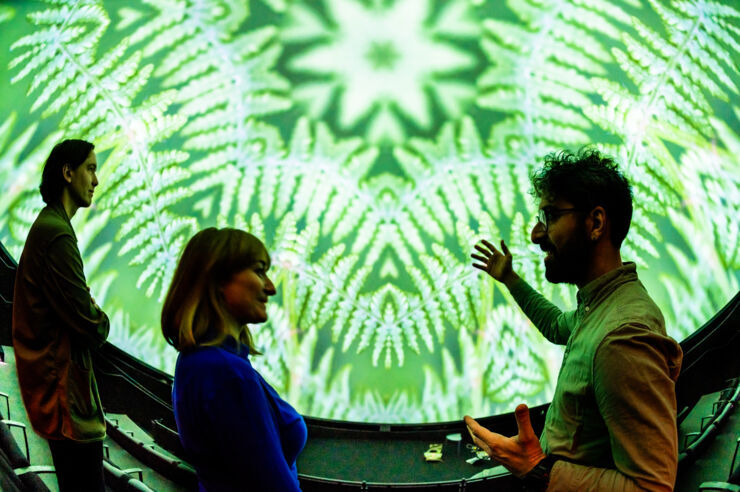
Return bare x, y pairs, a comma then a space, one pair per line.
540, 73
372, 144
19, 196
96, 98
224, 79
674, 75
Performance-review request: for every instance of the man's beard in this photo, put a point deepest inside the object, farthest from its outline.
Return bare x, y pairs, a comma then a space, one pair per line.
569, 262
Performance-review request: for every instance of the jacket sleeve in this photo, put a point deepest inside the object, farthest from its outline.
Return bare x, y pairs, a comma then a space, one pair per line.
65, 287
554, 324
634, 385
243, 427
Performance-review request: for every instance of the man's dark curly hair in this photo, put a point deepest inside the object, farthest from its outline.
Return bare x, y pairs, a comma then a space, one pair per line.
71, 152
587, 179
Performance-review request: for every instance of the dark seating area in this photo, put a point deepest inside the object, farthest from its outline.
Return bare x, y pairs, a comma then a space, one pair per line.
18, 472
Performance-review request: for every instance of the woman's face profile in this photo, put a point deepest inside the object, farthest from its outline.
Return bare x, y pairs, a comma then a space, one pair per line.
246, 293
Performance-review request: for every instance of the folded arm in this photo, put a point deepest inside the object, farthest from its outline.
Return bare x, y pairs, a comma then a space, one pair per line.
65, 287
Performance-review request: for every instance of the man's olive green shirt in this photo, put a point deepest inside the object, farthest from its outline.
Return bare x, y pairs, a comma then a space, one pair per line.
55, 326
613, 414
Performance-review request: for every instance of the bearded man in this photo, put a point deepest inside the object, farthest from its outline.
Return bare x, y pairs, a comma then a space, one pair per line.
612, 421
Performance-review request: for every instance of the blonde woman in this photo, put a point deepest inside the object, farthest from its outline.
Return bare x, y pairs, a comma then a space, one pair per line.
239, 434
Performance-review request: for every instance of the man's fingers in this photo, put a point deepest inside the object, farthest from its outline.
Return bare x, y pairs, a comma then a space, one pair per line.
475, 429
483, 445
483, 438
476, 440
489, 246
480, 258
481, 432
504, 248
481, 267
483, 250
526, 433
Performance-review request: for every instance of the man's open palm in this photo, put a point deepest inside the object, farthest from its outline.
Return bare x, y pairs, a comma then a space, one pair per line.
520, 453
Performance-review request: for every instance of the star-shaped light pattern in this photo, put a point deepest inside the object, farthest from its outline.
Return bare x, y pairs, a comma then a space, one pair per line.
385, 62
379, 315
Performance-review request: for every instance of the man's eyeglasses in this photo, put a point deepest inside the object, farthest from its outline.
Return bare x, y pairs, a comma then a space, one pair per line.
547, 215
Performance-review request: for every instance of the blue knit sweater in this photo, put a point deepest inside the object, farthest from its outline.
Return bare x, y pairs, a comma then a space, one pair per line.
238, 433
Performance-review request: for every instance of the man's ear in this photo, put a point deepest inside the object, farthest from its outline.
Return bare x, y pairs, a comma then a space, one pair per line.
598, 220
67, 173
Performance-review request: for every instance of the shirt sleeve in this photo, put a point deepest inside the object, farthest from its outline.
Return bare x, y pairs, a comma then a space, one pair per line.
634, 387
554, 324
245, 431
65, 288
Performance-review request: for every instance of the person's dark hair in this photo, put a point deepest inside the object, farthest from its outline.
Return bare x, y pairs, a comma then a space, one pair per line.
193, 314
587, 179
71, 152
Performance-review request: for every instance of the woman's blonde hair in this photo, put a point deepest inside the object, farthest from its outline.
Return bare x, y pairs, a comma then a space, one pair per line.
193, 313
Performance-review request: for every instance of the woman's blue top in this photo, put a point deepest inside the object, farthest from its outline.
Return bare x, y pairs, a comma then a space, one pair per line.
238, 433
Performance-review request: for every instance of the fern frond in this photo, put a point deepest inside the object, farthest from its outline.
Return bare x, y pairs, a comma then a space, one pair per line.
142, 342
143, 188
710, 189
374, 407
692, 307
288, 364
670, 90
225, 80
98, 99
20, 175
506, 361
456, 172
540, 76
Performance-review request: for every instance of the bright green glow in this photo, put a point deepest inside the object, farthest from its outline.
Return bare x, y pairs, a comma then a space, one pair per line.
382, 55
381, 60
372, 144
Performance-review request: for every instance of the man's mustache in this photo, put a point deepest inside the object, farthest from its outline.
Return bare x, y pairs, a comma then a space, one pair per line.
547, 247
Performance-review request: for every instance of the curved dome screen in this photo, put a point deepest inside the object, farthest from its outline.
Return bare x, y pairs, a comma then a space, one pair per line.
371, 144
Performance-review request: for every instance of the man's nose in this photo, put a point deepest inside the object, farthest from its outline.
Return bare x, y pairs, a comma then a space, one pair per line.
95, 180
269, 287
538, 233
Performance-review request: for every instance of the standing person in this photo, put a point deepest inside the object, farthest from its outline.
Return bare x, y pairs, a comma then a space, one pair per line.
56, 324
612, 421
239, 434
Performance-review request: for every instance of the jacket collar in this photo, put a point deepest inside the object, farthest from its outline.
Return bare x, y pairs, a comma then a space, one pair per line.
58, 209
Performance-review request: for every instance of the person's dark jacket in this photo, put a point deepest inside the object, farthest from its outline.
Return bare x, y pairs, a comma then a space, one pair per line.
56, 324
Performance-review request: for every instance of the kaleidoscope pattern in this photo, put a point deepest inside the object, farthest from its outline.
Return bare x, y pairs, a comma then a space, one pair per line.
372, 143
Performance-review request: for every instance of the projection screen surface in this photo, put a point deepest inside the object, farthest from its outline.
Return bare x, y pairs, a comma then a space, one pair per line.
371, 144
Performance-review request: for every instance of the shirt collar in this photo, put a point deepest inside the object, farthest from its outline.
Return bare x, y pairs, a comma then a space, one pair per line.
601, 287
235, 347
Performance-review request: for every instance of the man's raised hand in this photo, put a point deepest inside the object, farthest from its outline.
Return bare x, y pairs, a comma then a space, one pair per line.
495, 263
